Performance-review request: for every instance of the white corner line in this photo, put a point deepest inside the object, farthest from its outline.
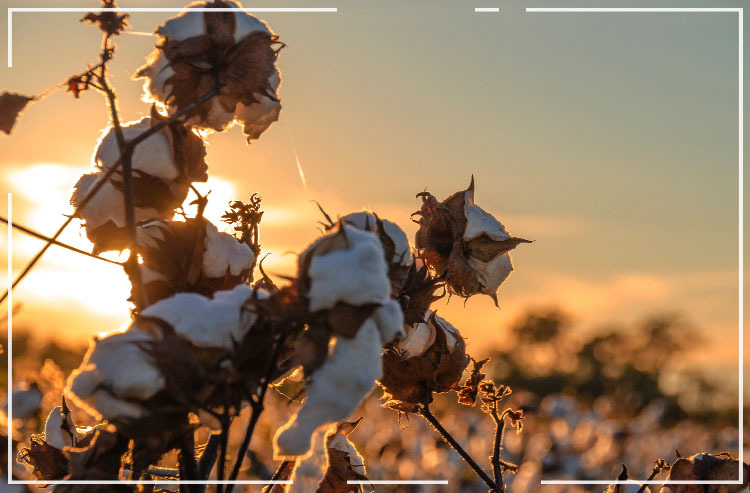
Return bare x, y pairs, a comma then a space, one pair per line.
152, 481
634, 9
11, 10
9, 349
487, 9
400, 481
740, 95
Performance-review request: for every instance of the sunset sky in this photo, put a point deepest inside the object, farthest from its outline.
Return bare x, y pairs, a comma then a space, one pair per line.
609, 139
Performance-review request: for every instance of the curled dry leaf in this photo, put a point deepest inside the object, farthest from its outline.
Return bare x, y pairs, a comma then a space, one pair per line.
11, 107
431, 359
468, 392
461, 241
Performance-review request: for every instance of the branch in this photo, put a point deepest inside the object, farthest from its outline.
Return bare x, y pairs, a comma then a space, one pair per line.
40, 236
427, 414
497, 467
257, 410
225, 422
282, 467
126, 158
188, 467
105, 177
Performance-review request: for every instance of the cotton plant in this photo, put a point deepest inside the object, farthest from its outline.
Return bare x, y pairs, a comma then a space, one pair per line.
206, 338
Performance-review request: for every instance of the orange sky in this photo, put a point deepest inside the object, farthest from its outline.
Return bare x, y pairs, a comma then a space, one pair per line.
615, 152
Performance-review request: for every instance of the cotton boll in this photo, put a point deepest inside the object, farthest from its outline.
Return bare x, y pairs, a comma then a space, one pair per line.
205, 322
224, 254
334, 390
366, 221
114, 374
333, 276
107, 204
153, 156
257, 117
157, 73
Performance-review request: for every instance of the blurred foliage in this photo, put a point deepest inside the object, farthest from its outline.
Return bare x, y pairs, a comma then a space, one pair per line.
634, 366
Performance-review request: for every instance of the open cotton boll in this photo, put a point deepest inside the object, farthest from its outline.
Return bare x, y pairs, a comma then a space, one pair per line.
197, 47
398, 240
224, 254
205, 322
334, 390
114, 375
153, 156
419, 337
356, 275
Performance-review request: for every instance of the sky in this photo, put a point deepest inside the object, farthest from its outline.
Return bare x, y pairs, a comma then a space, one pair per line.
609, 139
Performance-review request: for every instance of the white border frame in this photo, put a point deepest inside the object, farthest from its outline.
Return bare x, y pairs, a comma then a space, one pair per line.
739, 12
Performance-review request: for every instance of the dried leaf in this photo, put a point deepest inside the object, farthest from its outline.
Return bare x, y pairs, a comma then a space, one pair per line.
467, 394
11, 107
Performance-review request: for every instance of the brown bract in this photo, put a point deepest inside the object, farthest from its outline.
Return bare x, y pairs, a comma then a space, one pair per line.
101, 460
468, 392
704, 467
410, 381
418, 293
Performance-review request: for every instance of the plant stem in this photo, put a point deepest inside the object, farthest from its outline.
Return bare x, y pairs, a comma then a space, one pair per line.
40, 236
257, 410
188, 467
497, 468
223, 453
208, 458
126, 158
427, 414
267, 488
103, 179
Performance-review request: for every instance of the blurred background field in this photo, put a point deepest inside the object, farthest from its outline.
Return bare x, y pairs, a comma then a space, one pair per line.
591, 404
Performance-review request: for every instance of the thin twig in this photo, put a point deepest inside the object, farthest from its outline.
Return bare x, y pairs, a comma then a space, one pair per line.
257, 410
40, 236
427, 414
126, 158
497, 467
188, 467
225, 421
284, 464
105, 177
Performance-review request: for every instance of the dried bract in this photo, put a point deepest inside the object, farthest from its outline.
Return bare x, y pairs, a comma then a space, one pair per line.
11, 107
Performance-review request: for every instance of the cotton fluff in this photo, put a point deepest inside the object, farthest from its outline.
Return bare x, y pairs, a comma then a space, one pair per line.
205, 322
224, 254
356, 275
310, 470
153, 156
107, 204
114, 375
335, 389
369, 222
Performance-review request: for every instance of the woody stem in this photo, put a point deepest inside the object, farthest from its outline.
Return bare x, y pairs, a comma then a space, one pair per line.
427, 414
